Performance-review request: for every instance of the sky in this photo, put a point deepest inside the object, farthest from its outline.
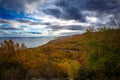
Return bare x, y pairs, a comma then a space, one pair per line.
35, 18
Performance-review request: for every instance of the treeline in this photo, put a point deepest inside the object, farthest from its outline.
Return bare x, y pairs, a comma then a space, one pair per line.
94, 55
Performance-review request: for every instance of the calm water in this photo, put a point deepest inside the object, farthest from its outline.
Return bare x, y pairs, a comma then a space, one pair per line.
29, 41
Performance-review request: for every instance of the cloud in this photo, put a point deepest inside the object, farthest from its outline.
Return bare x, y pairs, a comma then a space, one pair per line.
73, 9
54, 17
3, 32
103, 5
92, 5
64, 32
56, 23
9, 28
3, 21
20, 5
35, 32
23, 27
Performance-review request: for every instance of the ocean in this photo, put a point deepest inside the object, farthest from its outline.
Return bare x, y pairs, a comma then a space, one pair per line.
30, 42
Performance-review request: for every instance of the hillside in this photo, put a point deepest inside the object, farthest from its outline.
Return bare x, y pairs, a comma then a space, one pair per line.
89, 56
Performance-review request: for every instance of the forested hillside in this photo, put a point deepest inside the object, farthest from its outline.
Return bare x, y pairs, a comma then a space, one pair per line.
94, 55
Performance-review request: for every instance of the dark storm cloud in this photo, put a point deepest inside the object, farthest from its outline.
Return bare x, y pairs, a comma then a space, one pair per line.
9, 28
72, 9
71, 33
24, 21
35, 32
70, 27
71, 13
6, 26
75, 27
12, 4
17, 5
55, 12
103, 5
95, 5
55, 27
3, 21
39, 23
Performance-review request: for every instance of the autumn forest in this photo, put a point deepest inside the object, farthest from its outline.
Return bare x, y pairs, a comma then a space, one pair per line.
94, 55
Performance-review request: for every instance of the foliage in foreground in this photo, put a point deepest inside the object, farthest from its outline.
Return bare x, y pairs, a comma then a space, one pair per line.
90, 56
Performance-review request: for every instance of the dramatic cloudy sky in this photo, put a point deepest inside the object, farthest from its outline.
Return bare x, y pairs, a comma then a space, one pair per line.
29, 18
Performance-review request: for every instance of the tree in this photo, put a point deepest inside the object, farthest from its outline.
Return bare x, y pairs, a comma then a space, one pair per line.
10, 67
8, 49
